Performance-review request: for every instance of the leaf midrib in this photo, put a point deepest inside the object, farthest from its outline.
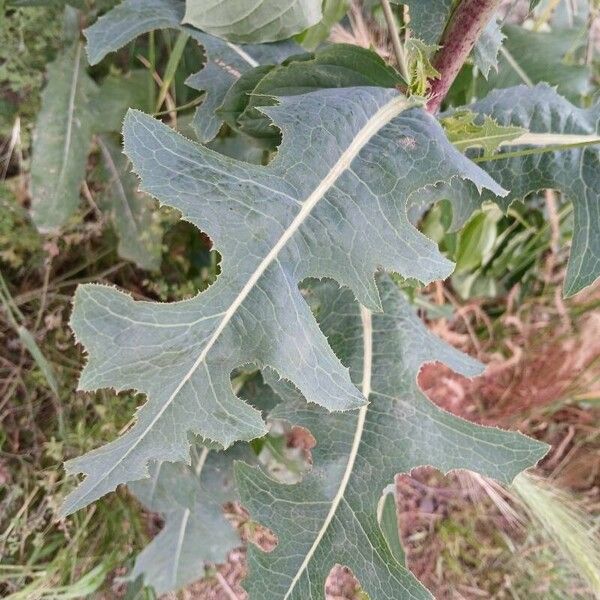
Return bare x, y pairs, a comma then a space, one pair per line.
70, 115
367, 327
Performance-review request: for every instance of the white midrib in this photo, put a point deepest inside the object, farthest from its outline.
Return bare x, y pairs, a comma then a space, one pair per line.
367, 327
184, 521
551, 139
243, 54
70, 113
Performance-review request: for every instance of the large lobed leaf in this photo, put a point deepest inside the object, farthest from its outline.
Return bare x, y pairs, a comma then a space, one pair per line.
62, 139
331, 516
255, 21
332, 203
552, 122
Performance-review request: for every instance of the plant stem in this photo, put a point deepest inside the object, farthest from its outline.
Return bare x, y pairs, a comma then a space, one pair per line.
398, 49
464, 27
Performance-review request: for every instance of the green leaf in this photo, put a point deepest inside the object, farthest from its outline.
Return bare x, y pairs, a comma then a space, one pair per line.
551, 120
428, 19
419, 66
333, 11
191, 500
128, 20
224, 64
61, 142
263, 21
41, 361
332, 203
116, 94
136, 223
476, 240
388, 521
487, 47
464, 132
531, 57
332, 515
337, 66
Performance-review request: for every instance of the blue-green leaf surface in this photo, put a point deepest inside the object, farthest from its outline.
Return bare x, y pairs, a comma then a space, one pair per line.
332, 203
250, 21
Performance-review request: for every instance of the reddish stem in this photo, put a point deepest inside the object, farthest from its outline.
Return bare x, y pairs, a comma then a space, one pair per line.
464, 27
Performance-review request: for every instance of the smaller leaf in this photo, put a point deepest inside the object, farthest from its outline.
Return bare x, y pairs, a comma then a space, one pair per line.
42, 362
337, 66
487, 47
61, 140
419, 65
540, 56
196, 531
464, 132
476, 240
118, 92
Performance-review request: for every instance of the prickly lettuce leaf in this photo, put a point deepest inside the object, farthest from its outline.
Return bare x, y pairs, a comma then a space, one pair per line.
487, 47
261, 21
62, 138
332, 203
573, 171
190, 499
332, 515
225, 65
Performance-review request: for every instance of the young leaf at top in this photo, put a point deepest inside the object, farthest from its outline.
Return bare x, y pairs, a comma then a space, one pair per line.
62, 139
261, 21
428, 19
332, 515
136, 223
225, 62
332, 203
195, 533
542, 159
